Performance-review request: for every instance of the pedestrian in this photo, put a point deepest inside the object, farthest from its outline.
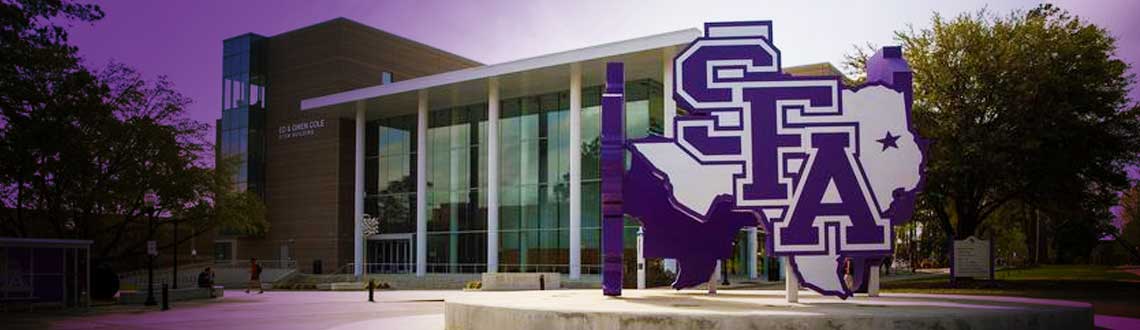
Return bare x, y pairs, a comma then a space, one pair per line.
849, 274
206, 280
254, 276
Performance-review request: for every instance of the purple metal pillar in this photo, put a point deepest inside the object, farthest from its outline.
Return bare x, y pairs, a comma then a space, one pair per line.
612, 166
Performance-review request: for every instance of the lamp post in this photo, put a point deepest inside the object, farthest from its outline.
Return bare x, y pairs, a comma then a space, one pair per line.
151, 250
174, 282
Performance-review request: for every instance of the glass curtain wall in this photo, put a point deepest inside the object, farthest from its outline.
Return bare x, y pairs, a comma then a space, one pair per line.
643, 116
534, 183
241, 129
457, 219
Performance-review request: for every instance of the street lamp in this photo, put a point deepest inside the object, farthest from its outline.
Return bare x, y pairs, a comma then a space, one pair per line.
151, 250
174, 283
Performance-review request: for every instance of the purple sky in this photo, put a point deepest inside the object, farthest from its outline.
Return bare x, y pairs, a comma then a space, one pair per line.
183, 39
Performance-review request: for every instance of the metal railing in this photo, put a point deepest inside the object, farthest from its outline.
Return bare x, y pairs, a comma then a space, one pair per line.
279, 264
469, 268
186, 278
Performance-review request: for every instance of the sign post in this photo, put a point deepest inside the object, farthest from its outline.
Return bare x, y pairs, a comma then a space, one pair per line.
791, 282
151, 252
972, 258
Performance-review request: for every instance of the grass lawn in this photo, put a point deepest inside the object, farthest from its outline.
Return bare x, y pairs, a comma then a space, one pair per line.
1111, 290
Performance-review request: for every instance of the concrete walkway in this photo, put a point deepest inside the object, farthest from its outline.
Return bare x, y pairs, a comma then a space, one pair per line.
419, 309
271, 310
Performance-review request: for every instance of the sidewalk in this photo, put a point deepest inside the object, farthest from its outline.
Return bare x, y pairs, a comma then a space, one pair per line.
271, 310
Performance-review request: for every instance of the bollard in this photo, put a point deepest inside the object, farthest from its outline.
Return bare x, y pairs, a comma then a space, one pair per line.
165, 296
541, 282
371, 289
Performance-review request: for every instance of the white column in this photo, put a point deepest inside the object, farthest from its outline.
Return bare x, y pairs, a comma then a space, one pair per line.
670, 105
670, 111
714, 278
753, 250
575, 171
873, 282
641, 258
421, 183
358, 196
493, 175
791, 282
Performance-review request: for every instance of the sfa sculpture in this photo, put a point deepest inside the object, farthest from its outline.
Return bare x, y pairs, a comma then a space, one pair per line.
825, 169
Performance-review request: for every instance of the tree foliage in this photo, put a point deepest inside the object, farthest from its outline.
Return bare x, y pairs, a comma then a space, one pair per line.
1130, 214
1029, 108
104, 155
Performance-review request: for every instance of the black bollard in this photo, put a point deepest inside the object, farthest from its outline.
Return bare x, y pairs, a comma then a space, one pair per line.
165, 296
371, 289
541, 282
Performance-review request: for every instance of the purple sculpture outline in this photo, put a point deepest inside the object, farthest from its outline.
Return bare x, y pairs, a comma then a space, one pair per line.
721, 132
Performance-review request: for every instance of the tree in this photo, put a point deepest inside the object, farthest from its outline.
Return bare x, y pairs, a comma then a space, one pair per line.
39, 74
1031, 107
1130, 214
103, 155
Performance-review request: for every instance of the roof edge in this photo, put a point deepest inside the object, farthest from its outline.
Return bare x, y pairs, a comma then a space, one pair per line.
655, 41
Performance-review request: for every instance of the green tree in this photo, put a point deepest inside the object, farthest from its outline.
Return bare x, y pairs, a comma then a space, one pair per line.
103, 155
1029, 107
40, 77
1130, 214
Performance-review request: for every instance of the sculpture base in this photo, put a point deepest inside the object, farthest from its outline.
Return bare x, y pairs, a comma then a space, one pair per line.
693, 309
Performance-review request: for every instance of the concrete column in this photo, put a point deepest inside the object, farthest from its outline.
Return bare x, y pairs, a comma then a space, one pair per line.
873, 282
753, 250
641, 258
493, 175
421, 183
670, 106
575, 171
791, 282
714, 278
358, 195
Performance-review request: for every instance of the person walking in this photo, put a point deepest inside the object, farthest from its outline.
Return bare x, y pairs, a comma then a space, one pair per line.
254, 276
849, 274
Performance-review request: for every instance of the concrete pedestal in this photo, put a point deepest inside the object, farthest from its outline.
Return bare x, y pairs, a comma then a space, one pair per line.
692, 309
521, 281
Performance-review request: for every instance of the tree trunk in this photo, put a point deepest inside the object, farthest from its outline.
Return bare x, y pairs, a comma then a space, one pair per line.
21, 230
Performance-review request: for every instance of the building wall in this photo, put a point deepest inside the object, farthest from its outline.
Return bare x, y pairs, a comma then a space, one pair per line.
309, 177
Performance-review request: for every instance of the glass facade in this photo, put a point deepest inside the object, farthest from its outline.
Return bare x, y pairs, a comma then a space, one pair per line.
534, 183
241, 129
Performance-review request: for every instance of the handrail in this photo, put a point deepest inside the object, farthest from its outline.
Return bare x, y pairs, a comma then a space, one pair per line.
287, 264
461, 268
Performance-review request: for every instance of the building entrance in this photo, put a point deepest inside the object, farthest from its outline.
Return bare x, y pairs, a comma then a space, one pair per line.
390, 254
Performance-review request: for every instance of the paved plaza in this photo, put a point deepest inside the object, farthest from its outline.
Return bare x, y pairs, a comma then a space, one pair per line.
271, 310
418, 309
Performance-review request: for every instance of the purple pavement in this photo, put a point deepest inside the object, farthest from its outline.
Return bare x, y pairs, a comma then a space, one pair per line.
283, 310
347, 310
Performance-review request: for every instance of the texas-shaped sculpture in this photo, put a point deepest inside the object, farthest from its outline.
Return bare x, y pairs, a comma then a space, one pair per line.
826, 170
